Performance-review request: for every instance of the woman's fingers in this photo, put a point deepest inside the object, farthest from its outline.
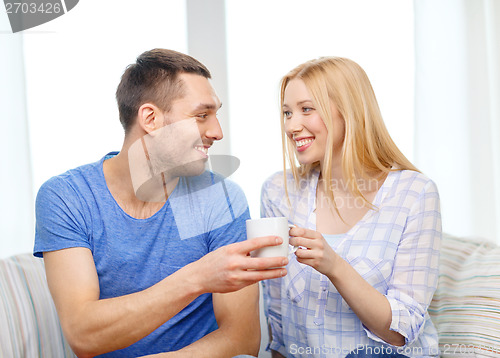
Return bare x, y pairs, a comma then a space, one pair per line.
298, 241
306, 233
304, 254
306, 242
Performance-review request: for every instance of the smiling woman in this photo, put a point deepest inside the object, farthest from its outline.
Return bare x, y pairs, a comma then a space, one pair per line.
345, 249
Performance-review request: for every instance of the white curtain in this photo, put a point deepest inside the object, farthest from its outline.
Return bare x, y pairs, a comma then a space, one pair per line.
16, 192
457, 114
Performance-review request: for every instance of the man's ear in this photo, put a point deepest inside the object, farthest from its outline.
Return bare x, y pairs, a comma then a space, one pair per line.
149, 117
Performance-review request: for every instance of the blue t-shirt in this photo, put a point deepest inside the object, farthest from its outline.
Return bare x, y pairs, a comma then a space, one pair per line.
203, 213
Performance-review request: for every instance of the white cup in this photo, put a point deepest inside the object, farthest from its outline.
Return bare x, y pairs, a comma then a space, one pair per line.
275, 226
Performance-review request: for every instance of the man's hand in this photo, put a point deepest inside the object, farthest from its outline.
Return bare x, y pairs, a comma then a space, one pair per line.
231, 268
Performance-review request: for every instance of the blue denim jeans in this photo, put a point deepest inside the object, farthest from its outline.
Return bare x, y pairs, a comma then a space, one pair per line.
375, 352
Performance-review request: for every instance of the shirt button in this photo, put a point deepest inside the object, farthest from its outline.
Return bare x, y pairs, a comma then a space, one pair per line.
324, 288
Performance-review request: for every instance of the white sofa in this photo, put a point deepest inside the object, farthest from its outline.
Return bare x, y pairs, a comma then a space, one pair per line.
465, 308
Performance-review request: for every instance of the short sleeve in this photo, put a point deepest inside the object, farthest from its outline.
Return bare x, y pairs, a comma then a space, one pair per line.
210, 206
60, 218
227, 222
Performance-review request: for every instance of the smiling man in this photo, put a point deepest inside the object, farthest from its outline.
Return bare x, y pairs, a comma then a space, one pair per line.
144, 249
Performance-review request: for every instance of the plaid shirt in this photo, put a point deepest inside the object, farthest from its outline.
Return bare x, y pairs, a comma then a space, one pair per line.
395, 248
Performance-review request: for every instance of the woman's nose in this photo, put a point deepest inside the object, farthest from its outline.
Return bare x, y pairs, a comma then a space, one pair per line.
293, 125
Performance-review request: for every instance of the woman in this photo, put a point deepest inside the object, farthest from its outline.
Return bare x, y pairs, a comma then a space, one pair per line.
367, 221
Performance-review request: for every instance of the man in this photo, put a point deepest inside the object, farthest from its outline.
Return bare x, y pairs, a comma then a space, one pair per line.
142, 248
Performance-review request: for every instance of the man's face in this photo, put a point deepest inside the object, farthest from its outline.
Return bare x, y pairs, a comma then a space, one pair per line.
188, 130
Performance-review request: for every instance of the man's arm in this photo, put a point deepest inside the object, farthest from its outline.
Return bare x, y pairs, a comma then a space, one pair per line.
237, 315
93, 326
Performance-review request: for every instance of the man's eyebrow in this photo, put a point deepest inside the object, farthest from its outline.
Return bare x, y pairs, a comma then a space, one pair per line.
203, 106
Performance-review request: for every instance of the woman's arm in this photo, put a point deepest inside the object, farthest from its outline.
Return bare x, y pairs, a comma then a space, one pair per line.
397, 316
371, 307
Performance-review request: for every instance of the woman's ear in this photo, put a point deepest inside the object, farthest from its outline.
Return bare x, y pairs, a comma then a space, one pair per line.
149, 117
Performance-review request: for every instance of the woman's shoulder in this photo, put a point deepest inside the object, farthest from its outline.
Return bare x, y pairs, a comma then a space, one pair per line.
411, 180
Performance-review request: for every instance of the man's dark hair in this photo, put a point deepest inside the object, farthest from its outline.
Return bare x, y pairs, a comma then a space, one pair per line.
154, 78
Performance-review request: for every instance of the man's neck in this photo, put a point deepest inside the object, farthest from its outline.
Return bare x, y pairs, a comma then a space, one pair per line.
140, 201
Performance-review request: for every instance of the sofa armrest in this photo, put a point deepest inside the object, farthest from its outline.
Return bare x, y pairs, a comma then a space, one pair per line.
466, 305
29, 323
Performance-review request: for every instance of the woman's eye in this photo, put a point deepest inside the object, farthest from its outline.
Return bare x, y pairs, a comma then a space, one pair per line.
287, 114
307, 109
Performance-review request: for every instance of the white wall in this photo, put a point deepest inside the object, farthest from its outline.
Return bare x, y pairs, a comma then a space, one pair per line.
458, 112
16, 196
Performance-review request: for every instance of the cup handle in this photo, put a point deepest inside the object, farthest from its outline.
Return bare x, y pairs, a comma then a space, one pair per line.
294, 248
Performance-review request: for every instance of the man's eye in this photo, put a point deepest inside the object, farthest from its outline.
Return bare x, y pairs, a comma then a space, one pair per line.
202, 115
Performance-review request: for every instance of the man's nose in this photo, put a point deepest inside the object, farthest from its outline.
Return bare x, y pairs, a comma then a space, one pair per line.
214, 130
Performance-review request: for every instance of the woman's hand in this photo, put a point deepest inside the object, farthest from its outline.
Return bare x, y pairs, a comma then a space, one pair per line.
314, 250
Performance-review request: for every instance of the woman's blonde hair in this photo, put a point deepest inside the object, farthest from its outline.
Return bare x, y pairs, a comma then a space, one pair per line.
367, 148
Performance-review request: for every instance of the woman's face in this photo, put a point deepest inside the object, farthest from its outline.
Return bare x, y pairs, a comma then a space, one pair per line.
305, 127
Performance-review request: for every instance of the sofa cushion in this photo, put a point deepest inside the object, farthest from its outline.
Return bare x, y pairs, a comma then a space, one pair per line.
466, 305
29, 325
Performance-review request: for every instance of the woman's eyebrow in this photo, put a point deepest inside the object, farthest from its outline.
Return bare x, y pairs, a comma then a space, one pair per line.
298, 103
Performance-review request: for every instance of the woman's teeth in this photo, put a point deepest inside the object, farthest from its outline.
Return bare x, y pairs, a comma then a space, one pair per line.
303, 142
